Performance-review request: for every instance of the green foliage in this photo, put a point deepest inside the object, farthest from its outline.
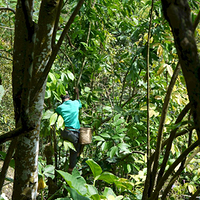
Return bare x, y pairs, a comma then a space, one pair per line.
79, 189
106, 50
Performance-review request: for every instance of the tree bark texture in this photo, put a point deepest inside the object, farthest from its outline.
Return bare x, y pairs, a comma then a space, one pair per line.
32, 50
177, 13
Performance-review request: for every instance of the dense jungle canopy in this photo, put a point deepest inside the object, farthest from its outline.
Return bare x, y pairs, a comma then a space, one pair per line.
137, 68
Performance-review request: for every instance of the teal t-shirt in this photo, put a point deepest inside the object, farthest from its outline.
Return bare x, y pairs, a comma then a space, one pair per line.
69, 110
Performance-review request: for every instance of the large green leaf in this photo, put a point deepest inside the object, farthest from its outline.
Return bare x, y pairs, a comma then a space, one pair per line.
64, 79
108, 177
49, 171
108, 191
96, 169
96, 197
47, 94
119, 122
75, 196
91, 190
75, 181
60, 89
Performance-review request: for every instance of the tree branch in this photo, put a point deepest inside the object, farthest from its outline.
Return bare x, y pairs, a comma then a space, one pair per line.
44, 75
56, 22
27, 10
162, 122
172, 167
14, 133
171, 138
6, 163
124, 81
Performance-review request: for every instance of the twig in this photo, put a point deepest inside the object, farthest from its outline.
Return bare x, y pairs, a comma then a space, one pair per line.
7, 9
124, 81
70, 43
148, 182
162, 122
7, 27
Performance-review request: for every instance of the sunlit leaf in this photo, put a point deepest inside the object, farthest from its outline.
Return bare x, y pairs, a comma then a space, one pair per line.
159, 50
120, 121
113, 151
49, 171
108, 108
87, 89
161, 69
124, 147
2, 92
47, 94
192, 189
95, 168
52, 77
170, 70
60, 122
68, 145
53, 118
70, 75
111, 197
173, 149
47, 114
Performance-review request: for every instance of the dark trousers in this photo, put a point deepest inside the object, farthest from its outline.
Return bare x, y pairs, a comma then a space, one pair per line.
72, 136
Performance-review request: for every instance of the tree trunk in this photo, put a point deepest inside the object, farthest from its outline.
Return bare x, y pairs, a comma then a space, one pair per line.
32, 59
179, 17
26, 159
32, 50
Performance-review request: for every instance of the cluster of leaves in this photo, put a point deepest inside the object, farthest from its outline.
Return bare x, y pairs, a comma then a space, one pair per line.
106, 49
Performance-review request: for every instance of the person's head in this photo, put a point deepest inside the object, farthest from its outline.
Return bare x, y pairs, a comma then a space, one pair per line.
65, 96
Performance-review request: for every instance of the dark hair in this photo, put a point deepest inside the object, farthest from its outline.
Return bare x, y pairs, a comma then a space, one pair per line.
66, 96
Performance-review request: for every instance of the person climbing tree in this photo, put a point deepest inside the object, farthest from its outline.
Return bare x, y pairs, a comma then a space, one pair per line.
69, 110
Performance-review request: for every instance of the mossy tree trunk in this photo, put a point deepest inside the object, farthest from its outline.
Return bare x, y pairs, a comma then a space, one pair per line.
32, 50
34, 53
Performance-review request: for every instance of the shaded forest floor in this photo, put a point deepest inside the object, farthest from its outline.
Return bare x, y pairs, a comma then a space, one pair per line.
8, 186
